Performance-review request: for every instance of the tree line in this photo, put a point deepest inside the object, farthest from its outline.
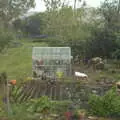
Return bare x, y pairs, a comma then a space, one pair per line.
88, 31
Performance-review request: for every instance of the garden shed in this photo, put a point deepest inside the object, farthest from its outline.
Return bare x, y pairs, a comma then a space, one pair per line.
52, 62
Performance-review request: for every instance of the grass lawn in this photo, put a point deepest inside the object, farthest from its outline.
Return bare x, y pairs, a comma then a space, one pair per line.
17, 62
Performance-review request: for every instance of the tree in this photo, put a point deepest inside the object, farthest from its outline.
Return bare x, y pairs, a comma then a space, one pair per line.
12, 9
5, 38
67, 28
53, 5
110, 10
31, 25
106, 38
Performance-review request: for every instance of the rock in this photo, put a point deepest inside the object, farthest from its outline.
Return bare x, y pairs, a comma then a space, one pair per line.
94, 91
96, 60
100, 66
54, 115
92, 118
82, 116
96, 63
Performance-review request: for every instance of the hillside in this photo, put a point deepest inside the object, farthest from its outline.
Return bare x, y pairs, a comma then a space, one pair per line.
17, 62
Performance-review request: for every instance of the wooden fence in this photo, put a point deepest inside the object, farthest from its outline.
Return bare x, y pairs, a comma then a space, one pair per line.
58, 90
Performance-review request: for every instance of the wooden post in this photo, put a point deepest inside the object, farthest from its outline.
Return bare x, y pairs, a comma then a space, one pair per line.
61, 92
118, 87
7, 96
51, 92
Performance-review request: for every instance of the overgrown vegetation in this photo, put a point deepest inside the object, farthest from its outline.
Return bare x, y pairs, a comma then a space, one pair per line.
107, 105
41, 108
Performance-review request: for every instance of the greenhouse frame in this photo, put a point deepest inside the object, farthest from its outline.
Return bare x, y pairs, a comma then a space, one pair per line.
54, 62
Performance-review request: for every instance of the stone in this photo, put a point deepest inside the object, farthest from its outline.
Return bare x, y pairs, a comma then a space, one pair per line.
92, 118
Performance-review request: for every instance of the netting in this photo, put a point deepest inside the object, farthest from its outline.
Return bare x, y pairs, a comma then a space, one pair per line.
51, 61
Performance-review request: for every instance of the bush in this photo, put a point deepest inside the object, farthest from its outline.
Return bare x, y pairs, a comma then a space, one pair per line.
105, 106
3, 77
2, 108
5, 38
116, 54
60, 106
31, 110
39, 105
43, 103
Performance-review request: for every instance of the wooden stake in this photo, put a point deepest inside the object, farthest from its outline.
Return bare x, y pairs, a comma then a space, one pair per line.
7, 96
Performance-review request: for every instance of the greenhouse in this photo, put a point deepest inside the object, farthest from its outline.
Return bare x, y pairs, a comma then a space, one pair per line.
52, 62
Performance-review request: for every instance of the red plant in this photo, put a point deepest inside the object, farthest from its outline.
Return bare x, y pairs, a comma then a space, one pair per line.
68, 115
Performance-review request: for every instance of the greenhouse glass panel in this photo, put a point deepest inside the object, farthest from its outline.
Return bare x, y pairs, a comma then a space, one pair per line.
51, 61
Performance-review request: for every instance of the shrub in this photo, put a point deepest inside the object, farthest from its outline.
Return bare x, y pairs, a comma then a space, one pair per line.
105, 106
3, 78
60, 106
39, 105
5, 38
2, 108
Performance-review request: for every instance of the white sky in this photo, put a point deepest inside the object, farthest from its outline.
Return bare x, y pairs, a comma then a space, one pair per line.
41, 7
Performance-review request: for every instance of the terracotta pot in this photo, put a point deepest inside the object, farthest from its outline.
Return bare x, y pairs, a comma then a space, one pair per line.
12, 82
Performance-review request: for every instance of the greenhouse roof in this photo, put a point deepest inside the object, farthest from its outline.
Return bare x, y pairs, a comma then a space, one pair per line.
52, 52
